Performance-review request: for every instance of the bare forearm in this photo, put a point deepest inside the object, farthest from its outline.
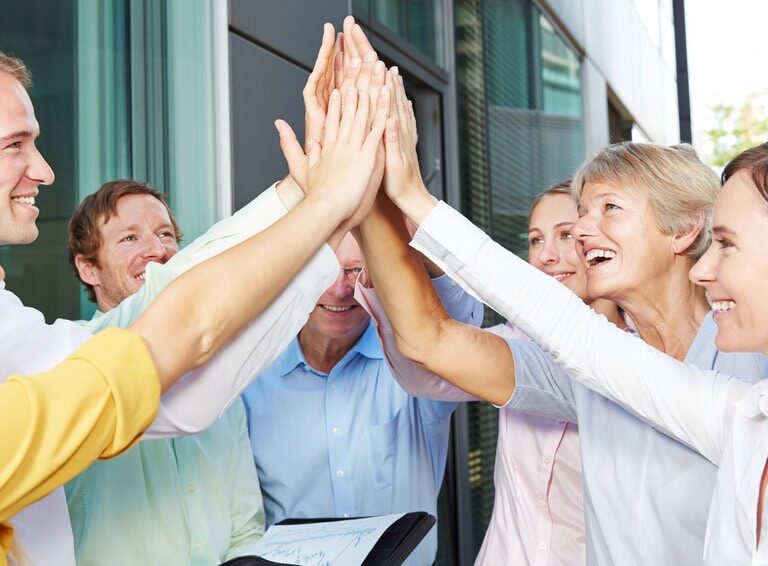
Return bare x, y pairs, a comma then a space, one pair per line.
474, 360
206, 306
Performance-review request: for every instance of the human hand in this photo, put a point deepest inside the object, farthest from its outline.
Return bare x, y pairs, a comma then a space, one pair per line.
339, 172
402, 179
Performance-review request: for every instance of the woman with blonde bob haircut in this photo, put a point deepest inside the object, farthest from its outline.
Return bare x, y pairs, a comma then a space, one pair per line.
643, 214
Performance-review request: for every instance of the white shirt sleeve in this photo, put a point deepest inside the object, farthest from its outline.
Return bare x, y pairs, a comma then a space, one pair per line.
199, 398
690, 404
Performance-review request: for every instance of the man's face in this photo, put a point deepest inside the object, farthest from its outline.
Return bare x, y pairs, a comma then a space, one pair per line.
337, 314
140, 232
22, 168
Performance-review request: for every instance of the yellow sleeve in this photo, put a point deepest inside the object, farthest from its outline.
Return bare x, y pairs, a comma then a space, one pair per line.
54, 424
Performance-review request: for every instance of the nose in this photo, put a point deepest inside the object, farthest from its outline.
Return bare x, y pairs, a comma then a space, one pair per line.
39, 171
584, 226
153, 248
704, 271
549, 254
342, 287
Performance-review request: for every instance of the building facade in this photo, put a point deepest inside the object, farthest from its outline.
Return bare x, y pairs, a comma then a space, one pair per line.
510, 97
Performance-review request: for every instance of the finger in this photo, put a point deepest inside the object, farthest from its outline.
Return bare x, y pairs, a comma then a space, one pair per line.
377, 81
331, 129
350, 48
338, 67
365, 77
360, 123
322, 61
360, 40
392, 141
348, 111
294, 155
351, 72
379, 123
412, 123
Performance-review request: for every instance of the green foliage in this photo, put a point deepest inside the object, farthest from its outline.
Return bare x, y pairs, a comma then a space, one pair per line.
738, 128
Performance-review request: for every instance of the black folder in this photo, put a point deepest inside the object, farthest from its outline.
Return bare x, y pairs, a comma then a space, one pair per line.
392, 549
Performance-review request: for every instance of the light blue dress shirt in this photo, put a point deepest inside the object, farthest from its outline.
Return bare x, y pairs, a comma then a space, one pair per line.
351, 442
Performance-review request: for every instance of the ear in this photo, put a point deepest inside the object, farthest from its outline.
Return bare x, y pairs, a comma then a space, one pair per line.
87, 270
683, 241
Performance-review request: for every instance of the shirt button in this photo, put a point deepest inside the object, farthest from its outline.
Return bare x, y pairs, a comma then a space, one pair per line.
199, 546
547, 461
453, 283
542, 546
333, 387
339, 473
337, 430
191, 488
346, 515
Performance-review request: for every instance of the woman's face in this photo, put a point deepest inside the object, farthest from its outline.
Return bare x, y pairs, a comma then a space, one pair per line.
618, 238
734, 270
551, 246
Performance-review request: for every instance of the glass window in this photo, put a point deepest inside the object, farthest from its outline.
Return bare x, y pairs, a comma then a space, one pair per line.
122, 89
520, 130
43, 37
419, 22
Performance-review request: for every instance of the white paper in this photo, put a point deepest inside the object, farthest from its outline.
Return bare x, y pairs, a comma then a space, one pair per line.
335, 543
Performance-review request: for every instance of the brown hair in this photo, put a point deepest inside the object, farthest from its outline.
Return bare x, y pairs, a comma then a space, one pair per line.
755, 162
681, 189
16, 68
83, 231
561, 188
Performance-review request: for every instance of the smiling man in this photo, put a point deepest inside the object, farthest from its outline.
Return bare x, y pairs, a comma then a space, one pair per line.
187, 500
332, 432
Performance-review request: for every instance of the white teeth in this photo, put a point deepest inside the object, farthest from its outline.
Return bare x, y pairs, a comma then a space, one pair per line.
594, 254
24, 200
140, 277
723, 306
561, 276
337, 309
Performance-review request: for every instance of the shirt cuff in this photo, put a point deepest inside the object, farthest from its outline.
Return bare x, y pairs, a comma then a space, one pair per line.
123, 360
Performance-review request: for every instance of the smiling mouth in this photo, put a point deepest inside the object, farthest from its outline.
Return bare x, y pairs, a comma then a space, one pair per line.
723, 306
24, 200
560, 275
596, 257
338, 308
140, 277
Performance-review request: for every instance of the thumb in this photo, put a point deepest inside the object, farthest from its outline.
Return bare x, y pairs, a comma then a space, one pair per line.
291, 149
392, 139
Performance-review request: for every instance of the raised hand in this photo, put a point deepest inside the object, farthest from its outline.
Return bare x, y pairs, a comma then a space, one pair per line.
320, 84
402, 179
339, 172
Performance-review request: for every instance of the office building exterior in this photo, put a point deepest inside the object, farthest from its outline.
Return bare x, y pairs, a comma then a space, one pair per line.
510, 97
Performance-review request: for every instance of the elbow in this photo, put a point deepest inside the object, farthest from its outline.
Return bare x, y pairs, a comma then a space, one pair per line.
422, 344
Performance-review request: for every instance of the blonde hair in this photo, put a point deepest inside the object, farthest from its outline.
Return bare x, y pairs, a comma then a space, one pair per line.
16, 68
681, 189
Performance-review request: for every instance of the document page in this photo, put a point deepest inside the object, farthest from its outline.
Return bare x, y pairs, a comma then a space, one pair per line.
333, 543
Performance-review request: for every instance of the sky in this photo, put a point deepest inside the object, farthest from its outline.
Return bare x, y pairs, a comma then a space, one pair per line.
726, 55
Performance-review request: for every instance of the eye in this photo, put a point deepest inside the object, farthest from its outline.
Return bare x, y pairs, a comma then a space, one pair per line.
611, 206
167, 235
566, 235
724, 243
129, 238
535, 241
14, 145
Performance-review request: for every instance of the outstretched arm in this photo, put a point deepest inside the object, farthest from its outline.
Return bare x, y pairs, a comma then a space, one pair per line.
476, 361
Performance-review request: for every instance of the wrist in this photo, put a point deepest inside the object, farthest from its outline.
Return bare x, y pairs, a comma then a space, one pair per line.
416, 204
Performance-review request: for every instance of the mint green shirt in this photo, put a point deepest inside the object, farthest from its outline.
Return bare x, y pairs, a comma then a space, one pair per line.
192, 500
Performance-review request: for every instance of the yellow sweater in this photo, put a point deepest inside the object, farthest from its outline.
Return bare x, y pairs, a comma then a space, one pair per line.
54, 424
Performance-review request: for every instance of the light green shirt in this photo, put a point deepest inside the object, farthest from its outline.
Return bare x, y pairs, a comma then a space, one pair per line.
192, 500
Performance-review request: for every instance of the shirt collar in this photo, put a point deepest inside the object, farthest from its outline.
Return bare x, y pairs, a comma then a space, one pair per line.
368, 345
